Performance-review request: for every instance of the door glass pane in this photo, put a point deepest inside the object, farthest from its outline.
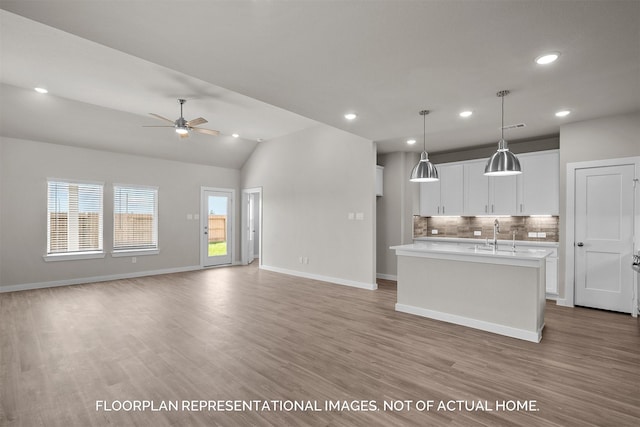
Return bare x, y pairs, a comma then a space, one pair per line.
217, 208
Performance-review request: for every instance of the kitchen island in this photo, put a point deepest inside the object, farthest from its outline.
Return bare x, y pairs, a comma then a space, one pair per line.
500, 291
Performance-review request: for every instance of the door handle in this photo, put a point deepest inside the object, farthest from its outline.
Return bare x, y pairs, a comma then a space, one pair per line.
580, 244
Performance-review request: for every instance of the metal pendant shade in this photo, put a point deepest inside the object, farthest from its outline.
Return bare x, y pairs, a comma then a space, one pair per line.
503, 162
424, 171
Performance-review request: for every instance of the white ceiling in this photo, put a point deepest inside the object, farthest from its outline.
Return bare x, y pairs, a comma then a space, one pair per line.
267, 68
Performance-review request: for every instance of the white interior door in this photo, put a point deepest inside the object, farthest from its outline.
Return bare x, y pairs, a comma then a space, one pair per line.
604, 200
217, 217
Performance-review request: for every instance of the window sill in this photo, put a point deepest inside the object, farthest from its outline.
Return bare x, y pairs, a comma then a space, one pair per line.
134, 252
73, 256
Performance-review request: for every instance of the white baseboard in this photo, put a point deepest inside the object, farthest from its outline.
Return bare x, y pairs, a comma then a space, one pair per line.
335, 280
473, 323
83, 280
563, 302
387, 276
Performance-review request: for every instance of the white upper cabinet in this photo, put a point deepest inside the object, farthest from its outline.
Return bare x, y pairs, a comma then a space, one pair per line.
502, 195
476, 188
451, 189
463, 189
539, 184
444, 197
430, 198
379, 179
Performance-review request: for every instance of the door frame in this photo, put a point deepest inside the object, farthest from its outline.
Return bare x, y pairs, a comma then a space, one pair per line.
244, 248
231, 242
569, 274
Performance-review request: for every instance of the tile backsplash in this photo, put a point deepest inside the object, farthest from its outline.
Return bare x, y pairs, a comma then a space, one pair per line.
464, 227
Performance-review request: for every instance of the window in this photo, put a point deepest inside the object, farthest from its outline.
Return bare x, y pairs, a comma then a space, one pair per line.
74, 217
135, 218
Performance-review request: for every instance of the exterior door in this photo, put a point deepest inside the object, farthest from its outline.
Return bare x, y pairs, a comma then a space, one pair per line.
216, 227
604, 199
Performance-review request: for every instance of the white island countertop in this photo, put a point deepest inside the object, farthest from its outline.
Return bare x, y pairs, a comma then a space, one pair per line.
474, 253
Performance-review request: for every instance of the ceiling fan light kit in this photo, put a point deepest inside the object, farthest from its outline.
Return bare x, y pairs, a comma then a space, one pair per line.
503, 162
182, 126
424, 171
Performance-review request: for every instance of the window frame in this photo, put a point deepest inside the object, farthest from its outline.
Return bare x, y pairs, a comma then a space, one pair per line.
117, 252
75, 255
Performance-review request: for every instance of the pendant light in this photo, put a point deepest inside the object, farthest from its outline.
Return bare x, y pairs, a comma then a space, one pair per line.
424, 171
503, 162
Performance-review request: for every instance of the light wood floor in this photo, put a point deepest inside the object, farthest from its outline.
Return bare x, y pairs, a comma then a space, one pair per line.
241, 333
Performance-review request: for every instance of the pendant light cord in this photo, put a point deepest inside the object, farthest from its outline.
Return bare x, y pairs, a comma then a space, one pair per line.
424, 133
502, 127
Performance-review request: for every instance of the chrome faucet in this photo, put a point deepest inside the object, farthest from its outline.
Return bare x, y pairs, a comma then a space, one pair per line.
496, 230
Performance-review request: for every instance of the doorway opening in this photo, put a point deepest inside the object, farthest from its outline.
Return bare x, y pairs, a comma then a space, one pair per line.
251, 225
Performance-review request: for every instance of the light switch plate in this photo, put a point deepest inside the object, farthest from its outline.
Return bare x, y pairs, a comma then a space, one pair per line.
196, 216
477, 233
533, 234
434, 231
351, 216
542, 234
189, 217
360, 216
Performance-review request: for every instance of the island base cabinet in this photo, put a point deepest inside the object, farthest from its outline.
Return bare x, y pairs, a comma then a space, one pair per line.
504, 299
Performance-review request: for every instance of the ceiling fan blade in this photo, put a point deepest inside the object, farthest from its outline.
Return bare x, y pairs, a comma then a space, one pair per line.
157, 116
159, 126
196, 122
207, 131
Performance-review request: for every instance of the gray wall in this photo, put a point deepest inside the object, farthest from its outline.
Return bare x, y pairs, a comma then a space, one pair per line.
24, 169
395, 209
484, 152
598, 139
310, 181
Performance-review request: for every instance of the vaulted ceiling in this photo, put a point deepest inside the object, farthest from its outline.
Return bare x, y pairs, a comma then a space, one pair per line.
263, 69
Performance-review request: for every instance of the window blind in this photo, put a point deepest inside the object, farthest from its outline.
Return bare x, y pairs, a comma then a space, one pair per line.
135, 217
74, 217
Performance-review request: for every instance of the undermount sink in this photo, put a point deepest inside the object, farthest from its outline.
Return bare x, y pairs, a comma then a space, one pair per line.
490, 248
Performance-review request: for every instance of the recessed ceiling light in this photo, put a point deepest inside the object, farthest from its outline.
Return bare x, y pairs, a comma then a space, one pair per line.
235, 135
547, 58
563, 113
466, 113
41, 90
411, 141
350, 116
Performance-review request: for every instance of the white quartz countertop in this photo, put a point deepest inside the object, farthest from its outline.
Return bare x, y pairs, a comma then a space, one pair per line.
501, 243
455, 251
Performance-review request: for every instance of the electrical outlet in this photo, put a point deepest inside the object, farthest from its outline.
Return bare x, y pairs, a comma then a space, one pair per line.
477, 233
300, 260
434, 231
134, 260
306, 260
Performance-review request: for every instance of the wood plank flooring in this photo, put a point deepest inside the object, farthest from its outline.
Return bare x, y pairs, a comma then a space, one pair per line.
245, 334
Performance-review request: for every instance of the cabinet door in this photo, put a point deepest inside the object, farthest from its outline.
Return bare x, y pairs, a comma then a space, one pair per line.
379, 180
430, 198
552, 275
539, 184
476, 188
451, 189
502, 195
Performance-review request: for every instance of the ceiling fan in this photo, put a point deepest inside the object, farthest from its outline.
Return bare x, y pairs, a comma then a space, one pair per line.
182, 126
